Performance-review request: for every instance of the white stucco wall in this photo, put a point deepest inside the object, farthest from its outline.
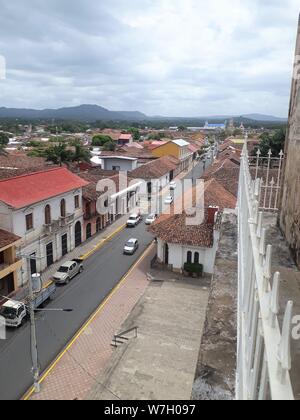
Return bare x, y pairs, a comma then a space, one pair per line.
178, 254
36, 240
125, 165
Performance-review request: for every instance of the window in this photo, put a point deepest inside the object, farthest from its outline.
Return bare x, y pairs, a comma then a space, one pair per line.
196, 258
116, 168
63, 208
98, 225
76, 202
64, 244
49, 254
29, 221
189, 257
47, 215
33, 267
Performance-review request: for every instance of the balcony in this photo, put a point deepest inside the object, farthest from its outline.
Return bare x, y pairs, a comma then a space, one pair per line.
69, 218
52, 227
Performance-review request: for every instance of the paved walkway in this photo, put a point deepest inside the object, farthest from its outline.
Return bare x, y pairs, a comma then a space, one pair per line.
75, 372
160, 363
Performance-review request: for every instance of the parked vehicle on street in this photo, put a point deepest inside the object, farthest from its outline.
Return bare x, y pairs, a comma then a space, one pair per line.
173, 185
169, 200
15, 312
150, 219
131, 246
134, 220
67, 271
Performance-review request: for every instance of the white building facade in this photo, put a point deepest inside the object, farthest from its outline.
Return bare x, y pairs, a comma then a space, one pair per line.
49, 228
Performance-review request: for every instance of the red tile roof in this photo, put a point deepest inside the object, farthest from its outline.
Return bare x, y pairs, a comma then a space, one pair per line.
23, 191
7, 238
125, 137
174, 229
156, 169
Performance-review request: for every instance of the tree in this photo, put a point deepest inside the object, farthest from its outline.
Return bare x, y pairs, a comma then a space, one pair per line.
274, 142
4, 140
109, 146
135, 133
58, 154
80, 154
100, 139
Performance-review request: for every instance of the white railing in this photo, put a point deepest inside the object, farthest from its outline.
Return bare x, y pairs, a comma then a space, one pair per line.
264, 355
269, 170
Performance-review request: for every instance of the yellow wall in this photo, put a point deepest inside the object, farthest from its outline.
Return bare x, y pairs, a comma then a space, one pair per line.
169, 149
12, 264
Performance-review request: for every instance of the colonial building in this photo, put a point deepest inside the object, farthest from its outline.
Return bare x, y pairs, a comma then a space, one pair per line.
179, 243
125, 139
45, 210
157, 173
178, 149
10, 265
120, 201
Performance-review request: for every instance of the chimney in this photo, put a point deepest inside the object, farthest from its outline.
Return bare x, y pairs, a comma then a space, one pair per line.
211, 214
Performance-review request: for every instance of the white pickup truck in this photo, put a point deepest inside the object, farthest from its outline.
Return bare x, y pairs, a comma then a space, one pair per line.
67, 271
15, 312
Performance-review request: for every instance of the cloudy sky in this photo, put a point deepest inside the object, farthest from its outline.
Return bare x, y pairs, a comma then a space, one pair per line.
166, 57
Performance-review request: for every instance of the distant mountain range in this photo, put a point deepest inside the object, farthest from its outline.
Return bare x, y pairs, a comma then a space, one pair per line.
88, 113
92, 113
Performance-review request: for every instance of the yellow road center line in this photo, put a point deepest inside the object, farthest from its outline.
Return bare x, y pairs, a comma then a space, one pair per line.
87, 324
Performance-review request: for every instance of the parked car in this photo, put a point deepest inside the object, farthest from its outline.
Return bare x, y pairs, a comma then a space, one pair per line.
169, 200
173, 185
67, 271
15, 313
131, 246
150, 219
134, 220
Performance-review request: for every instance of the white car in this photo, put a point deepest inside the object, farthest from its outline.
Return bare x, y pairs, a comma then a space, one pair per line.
169, 200
131, 246
150, 219
173, 185
133, 220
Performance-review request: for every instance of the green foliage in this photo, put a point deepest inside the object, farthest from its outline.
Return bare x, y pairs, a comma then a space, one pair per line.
272, 141
80, 154
193, 268
4, 140
135, 133
100, 140
109, 146
58, 154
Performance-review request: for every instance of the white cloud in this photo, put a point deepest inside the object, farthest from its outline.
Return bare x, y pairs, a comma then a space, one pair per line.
159, 56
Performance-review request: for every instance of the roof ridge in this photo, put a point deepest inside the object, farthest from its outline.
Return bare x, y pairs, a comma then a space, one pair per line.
32, 173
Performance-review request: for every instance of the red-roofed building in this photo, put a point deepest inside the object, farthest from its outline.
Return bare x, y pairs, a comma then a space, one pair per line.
125, 139
45, 210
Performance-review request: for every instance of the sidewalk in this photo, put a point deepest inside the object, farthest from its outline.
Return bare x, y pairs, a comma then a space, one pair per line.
75, 371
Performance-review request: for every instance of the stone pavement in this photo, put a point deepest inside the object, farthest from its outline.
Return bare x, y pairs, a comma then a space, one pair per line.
77, 369
160, 363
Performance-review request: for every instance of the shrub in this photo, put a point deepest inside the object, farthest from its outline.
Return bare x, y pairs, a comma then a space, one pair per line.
193, 268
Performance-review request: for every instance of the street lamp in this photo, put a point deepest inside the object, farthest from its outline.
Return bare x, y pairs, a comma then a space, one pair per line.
34, 349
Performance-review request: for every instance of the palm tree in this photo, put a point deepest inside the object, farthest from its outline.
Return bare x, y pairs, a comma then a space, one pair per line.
80, 154
58, 154
4, 140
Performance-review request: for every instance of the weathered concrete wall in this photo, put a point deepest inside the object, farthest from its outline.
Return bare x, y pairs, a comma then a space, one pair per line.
290, 203
215, 376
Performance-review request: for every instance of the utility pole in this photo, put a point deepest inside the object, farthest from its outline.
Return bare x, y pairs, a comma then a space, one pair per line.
34, 350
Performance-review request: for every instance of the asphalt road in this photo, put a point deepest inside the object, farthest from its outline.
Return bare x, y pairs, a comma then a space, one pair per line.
103, 271
84, 294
